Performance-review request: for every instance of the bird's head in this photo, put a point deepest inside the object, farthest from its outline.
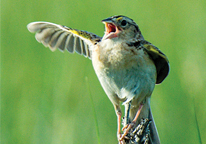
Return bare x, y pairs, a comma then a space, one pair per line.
121, 27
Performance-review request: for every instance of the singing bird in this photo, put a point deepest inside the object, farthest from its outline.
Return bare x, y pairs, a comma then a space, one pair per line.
127, 66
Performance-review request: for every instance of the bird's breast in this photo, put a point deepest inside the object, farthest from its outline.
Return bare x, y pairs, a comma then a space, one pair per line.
118, 56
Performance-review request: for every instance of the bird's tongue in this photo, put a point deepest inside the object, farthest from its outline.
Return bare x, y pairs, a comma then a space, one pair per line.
111, 28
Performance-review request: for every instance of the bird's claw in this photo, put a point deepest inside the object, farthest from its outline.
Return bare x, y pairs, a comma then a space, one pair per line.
119, 137
127, 128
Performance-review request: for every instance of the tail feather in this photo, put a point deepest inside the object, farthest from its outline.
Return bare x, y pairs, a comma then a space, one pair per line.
146, 114
154, 137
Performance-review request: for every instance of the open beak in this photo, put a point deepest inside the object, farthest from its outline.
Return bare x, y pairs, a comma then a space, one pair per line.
111, 30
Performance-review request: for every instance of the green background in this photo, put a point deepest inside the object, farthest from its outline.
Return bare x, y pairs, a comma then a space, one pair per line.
44, 95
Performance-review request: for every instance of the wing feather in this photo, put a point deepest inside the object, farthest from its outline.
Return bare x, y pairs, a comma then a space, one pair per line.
78, 46
70, 46
56, 36
160, 60
62, 41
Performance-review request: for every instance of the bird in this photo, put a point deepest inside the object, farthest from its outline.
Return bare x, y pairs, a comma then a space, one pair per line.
128, 67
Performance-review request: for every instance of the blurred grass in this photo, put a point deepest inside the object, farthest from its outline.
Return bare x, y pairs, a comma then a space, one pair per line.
44, 97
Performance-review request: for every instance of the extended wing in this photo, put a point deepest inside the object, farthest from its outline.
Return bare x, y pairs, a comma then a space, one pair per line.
56, 36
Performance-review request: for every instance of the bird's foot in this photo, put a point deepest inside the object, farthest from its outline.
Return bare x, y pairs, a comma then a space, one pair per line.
119, 136
127, 128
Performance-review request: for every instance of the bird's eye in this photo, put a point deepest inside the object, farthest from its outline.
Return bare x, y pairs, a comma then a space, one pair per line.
124, 23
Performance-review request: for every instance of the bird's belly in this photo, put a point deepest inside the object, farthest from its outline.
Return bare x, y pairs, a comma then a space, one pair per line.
127, 83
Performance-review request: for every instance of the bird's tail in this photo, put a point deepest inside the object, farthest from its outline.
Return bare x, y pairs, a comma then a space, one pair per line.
153, 130
146, 113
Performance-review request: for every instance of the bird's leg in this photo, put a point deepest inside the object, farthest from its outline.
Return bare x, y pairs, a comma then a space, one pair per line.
127, 109
129, 126
119, 125
119, 115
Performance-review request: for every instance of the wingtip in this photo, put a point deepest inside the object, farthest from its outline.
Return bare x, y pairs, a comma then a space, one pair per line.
34, 26
31, 27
